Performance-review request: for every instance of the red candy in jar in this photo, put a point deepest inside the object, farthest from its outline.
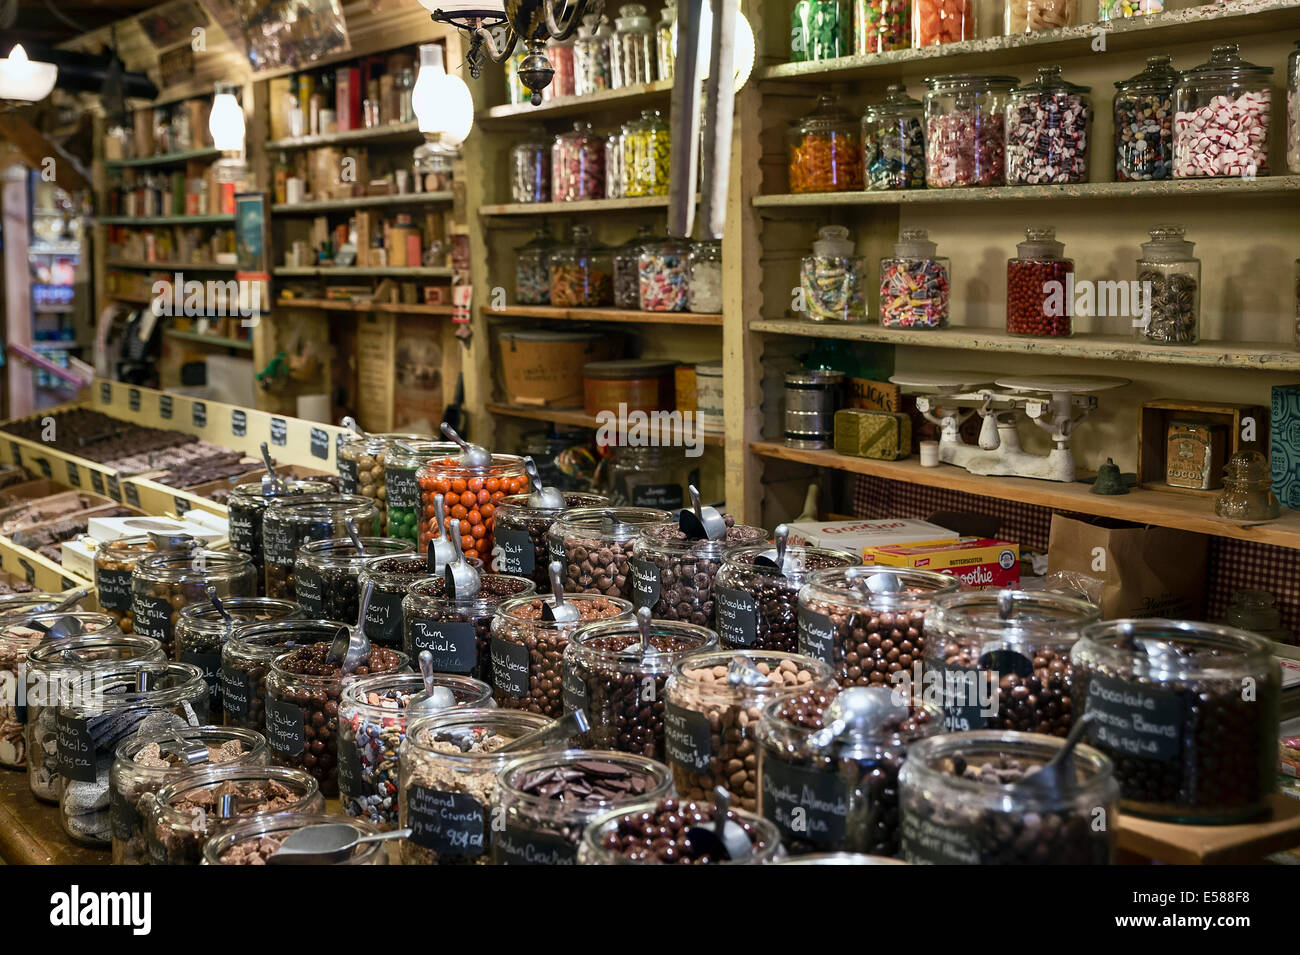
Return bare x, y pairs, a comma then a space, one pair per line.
469, 495
1039, 292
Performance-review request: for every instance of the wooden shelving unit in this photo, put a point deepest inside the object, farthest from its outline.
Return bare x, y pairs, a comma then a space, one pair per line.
318, 206
167, 266
619, 315
575, 417
337, 305
394, 271
577, 207
165, 159
141, 221
646, 95
215, 341
399, 132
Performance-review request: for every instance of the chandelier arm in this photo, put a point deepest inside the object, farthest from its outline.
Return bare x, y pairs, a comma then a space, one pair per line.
490, 45
578, 9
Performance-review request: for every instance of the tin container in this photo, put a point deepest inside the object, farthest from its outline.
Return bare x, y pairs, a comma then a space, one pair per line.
810, 399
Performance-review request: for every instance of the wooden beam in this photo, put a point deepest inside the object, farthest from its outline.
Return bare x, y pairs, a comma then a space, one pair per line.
36, 148
21, 383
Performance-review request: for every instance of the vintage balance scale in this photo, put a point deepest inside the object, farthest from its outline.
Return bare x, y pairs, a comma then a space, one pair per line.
1055, 403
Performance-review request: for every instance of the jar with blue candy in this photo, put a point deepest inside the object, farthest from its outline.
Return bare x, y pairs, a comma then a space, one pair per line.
1144, 123
893, 142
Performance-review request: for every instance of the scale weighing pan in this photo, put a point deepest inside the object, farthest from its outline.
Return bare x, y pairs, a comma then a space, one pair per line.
1056, 384
942, 382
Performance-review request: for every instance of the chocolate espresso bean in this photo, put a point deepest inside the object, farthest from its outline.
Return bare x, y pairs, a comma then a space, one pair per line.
656, 833
673, 575
326, 574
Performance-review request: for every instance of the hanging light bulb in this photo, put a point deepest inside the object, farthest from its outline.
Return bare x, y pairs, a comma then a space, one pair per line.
24, 81
226, 124
442, 102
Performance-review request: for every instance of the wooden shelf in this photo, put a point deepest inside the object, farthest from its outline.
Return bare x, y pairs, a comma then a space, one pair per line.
1263, 187
1244, 356
620, 315
395, 271
643, 94
218, 219
573, 208
375, 134
360, 202
165, 159
1140, 506
575, 417
344, 305
1182, 844
214, 341
1153, 32
167, 266
128, 297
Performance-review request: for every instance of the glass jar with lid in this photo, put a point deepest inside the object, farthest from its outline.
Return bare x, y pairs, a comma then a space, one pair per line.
1170, 278
646, 146
705, 264
1221, 118
618, 837
457, 632
253, 841
527, 648
530, 169
1293, 110
246, 510
542, 821
825, 149
292, 522
851, 766
641, 477
590, 57
165, 583
1122, 9
372, 725
581, 272
833, 279
103, 709
327, 574
246, 659
914, 284
1247, 489
673, 574
520, 545
1048, 125
893, 139
965, 130
617, 679
935, 22
868, 623
632, 48
449, 767
662, 275
595, 546
560, 53
362, 463
820, 30
1257, 612
615, 168
201, 630
713, 702
1144, 123
53, 666
1028, 16
626, 259
533, 269
400, 470
114, 563
881, 25
1206, 752
755, 606
186, 813
963, 803
578, 164
470, 495
387, 579
1036, 281
1005, 659
146, 763
666, 40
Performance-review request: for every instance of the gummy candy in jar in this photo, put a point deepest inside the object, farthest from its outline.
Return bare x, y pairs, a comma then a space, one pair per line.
662, 271
1036, 278
935, 22
590, 57
893, 141
881, 25
578, 165
1144, 123
705, 263
1047, 131
825, 150
533, 269
1222, 117
833, 279
581, 273
1027, 16
1122, 9
819, 30
627, 268
914, 284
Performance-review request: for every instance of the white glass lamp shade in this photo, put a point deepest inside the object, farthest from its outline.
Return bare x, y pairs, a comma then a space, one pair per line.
459, 11
25, 80
226, 121
442, 102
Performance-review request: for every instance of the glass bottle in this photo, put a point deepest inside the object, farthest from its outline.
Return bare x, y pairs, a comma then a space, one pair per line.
662, 275
530, 170
833, 279
632, 49
516, 93
666, 40
825, 149
406, 457
626, 262
479, 491
578, 164
893, 141
1225, 102
705, 265
1144, 123
1036, 285
645, 155
1247, 489
881, 25
581, 272
914, 284
1170, 278
533, 269
1028, 16
1048, 126
819, 30
590, 57
935, 22
965, 130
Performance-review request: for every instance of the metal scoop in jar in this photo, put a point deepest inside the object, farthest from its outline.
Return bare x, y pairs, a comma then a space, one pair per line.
433, 697
67, 626
272, 482
1057, 776
167, 541
700, 522
547, 498
611, 528
326, 843
741, 671
642, 648
356, 539
561, 612
351, 646
463, 581
560, 731
725, 838
472, 455
441, 550
775, 559
190, 751
350, 423
875, 581
859, 711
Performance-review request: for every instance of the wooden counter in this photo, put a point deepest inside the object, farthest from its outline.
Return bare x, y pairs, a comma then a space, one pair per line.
30, 833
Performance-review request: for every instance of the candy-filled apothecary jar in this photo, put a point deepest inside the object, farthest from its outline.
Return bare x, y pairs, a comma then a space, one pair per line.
247, 509
361, 468
663, 276
1122, 9
632, 48
1207, 701
965, 130
595, 546
881, 25
165, 583
646, 144
581, 272
1144, 123
615, 165
457, 631
1048, 125
914, 284
1293, 110
470, 495
706, 277
1169, 275
590, 57
893, 140
1222, 118
253, 841
666, 40
533, 268
825, 149
293, 522
530, 169
1017, 645
833, 280
673, 574
626, 259
1037, 303
1029, 16
820, 30
114, 563
560, 53
328, 572
521, 528
578, 164
935, 22
963, 803
403, 465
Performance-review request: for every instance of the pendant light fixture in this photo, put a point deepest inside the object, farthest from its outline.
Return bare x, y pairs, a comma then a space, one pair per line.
444, 108
226, 124
24, 81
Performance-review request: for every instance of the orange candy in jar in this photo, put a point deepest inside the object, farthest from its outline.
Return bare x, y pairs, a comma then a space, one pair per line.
942, 21
469, 495
826, 150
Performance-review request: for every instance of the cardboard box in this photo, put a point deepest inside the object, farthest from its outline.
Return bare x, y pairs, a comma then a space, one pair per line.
981, 563
115, 528
865, 536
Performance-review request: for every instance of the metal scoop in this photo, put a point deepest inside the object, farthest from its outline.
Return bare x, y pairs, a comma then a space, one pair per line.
272, 477
166, 541
65, 626
350, 423
216, 603
191, 751
463, 581
473, 455
725, 838
857, 712
642, 649
434, 697
351, 646
548, 498
874, 580
611, 528
699, 522
441, 551
326, 843
562, 612
571, 724
356, 540
1057, 776
741, 671
775, 559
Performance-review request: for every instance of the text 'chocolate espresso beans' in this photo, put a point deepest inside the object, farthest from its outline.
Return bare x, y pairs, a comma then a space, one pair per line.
166, 582
756, 607
713, 704
519, 544
546, 801
962, 806
326, 574
868, 623
291, 522
621, 685
595, 546
827, 790
527, 652
1002, 659
1188, 712
656, 833
457, 632
302, 707
673, 575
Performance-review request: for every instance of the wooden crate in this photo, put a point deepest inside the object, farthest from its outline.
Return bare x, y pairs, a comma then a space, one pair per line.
1153, 430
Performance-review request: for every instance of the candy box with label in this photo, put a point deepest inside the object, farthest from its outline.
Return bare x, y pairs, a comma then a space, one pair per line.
864, 536
978, 562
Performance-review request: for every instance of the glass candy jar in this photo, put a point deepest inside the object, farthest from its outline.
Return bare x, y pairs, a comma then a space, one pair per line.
893, 139
642, 477
666, 40
662, 275
533, 269
1247, 489
1221, 120
1048, 125
632, 48
581, 272
162, 585
914, 284
1122, 9
965, 130
1293, 110
615, 165
520, 546
293, 522
618, 837
530, 170
388, 579
825, 149
590, 57
626, 260
560, 53
362, 463
1170, 278
833, 279
646, 145
1144, 123
246, 660
246, 511
1036, 281
935, 22
457, 632
253, 841
406, 457
578, 164
881, 25
705, 264
595, 546
1028, 16
820, 30
470, 495
114, 563
327, 574
673, 575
